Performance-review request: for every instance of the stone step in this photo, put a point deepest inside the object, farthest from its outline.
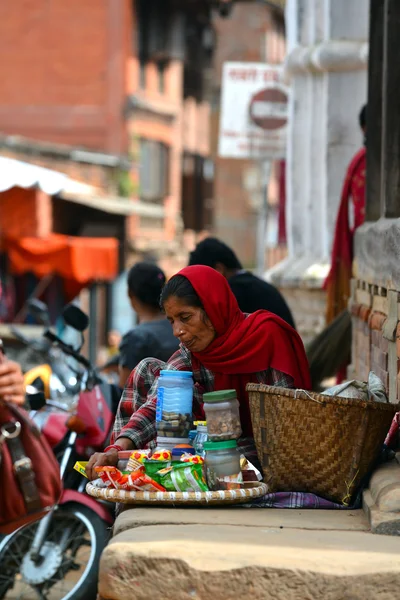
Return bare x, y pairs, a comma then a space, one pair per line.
184, 554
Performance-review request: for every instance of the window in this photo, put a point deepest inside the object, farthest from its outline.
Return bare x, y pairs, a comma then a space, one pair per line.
154, 171
142, 74
161, 67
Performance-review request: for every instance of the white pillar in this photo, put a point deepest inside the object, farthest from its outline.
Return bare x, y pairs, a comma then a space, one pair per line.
326, 65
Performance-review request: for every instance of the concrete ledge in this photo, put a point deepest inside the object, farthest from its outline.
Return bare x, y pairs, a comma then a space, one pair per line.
180, 562
323, 520
377, 253
381, 502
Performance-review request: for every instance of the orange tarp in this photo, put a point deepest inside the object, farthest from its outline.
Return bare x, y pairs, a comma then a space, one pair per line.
78, 260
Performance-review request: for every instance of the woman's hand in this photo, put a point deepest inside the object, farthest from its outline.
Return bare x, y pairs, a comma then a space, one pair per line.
12, 386
101, 459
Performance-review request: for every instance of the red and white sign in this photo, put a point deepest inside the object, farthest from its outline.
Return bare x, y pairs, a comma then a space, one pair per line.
253, 112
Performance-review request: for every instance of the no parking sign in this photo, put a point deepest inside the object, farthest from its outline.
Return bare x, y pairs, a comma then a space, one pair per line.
253, 111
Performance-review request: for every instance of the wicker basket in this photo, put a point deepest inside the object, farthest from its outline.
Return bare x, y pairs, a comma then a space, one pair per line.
307, 442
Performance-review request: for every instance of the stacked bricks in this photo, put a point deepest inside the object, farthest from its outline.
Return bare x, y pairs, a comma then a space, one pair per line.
370, 349
379, 348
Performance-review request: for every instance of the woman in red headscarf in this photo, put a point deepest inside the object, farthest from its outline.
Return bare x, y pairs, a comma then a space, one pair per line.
223, 347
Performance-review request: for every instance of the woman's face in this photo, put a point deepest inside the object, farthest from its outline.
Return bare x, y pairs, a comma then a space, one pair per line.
190, 324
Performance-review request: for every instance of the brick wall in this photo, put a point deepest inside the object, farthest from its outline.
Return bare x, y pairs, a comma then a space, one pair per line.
63, 71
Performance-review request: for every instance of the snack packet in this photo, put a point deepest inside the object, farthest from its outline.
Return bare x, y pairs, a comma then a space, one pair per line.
161, 455
229, 482
192, 458
110, 475
152, 468
249, 471
134, 465
183, 477
80, 466
142, 482
140, 455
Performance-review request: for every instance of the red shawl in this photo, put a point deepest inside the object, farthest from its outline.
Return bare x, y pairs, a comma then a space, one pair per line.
244, 346
337, 283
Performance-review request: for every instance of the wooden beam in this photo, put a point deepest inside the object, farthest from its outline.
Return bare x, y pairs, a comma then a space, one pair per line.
390, 169
374, 111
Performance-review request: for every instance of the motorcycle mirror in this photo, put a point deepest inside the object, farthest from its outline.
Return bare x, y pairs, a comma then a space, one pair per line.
39, 310
75, 317
35, 398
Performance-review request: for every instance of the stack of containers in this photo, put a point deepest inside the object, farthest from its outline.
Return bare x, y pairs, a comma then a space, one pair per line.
174, 408
223, 429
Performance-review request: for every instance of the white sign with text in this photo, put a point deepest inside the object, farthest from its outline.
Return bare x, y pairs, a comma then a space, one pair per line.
254, 105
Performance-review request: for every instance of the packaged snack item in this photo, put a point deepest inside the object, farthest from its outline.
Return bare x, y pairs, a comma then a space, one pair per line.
161, 455
80, 467
140, 455
134, 465
249, 471
144, 483
183, 477
229, 482
109, 475
152, 468
192, 458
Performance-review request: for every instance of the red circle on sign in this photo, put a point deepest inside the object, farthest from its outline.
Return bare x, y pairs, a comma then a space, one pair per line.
268, 108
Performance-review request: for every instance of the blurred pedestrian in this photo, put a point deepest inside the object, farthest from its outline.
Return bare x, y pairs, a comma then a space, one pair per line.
153, 336
113, 341
350, 216
251, 292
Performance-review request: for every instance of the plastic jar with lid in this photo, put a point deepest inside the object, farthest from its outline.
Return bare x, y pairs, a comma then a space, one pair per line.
201, 437
222, 460
222, 413
174, 403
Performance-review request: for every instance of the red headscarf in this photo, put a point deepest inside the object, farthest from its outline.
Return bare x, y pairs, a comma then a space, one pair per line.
244, 346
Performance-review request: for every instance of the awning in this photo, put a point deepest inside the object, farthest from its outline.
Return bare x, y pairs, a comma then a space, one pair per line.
78, 260
16, 173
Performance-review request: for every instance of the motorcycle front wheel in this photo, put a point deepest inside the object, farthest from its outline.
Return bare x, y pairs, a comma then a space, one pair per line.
68, 565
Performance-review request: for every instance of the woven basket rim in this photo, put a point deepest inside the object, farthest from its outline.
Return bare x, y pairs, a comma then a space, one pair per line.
310, 396
240, 496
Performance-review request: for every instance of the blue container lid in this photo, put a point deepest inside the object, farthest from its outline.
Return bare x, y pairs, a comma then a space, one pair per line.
179, 374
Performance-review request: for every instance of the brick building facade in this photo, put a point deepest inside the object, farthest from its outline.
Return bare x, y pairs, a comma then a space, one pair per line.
114, 76
112, 94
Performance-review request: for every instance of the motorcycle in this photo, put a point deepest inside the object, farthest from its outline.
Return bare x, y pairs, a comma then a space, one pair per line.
49, 372
57, 557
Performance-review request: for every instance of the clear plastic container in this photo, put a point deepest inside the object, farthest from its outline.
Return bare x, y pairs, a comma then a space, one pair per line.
174, 404
223, 417
222, 460
201, 437
169, 443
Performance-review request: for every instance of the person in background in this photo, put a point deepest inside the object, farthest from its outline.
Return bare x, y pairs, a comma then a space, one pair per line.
350, 216
153, 336
12, 386
114, 339
251, 292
